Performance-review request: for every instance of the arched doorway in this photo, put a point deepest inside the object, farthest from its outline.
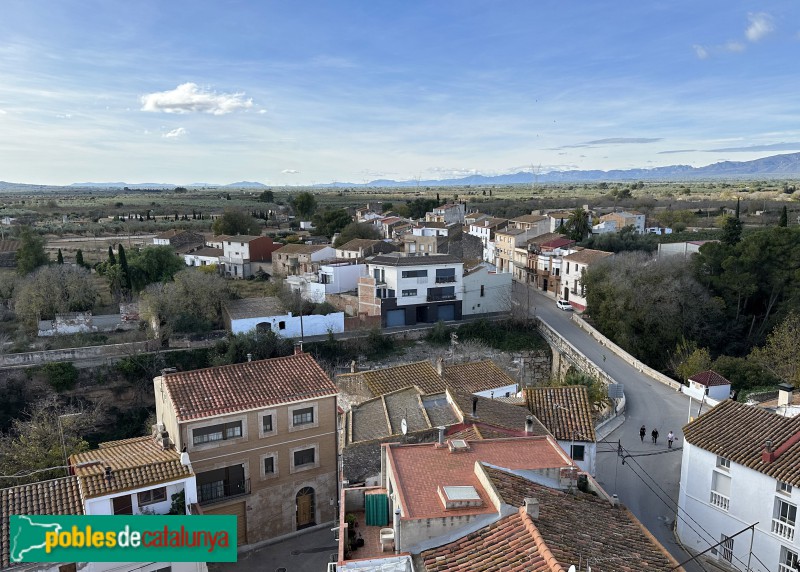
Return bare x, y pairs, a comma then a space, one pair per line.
305, 505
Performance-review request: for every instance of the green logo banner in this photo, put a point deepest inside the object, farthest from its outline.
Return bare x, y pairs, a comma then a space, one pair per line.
122, 538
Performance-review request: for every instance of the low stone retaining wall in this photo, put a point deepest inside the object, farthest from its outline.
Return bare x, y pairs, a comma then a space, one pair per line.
73, 354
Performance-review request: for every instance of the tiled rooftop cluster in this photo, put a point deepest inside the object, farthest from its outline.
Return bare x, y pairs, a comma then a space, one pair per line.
565, 411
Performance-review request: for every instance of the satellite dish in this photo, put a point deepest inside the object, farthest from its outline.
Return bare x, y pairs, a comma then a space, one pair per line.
404, 426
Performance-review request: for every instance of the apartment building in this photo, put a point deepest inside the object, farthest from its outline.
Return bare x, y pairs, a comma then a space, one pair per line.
244, 255
295, 259
614, 222
451, 213
739, 468
575, 265
485, 229
262, 439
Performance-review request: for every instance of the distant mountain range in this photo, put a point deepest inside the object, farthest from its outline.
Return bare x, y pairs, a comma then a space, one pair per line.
775, 166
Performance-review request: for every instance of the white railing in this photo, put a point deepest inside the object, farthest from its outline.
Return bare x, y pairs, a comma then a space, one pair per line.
785, 568
720, 501
783, 529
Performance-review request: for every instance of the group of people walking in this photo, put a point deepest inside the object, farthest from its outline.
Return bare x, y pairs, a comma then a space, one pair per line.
654, 436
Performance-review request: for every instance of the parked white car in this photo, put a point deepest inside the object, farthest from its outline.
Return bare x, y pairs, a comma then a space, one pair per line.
563, 305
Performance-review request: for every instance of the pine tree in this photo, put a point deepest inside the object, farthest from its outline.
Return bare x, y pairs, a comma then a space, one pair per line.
784, 217
60, 257
111, 259
79, 258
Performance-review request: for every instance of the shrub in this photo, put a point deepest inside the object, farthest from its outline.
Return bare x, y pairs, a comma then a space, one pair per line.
61, 375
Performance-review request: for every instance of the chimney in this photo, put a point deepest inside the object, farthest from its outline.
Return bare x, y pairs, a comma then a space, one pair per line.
354, 366
298, 348
532, 508
785, 394
441, 436
767, 455
249, 357
474, 406
529, 424
185, 458
615, 500
440, 366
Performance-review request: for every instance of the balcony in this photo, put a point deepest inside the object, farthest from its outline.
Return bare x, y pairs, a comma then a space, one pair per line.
783, 529
445, 279
720, 501
441, 297
222, 490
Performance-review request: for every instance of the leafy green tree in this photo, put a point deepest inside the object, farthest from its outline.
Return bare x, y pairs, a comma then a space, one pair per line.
330, 222
153, 264
235, 221
31, 254
699, 360
79, 258
418, 207
357, 230
731, 231
61, 375
260, 344
267, 197
784, 221
577, 227
304, 204
59, 257
781, 354
626, 239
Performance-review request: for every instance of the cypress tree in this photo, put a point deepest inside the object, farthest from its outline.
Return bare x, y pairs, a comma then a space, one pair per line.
60, 257
784, 217
111, 259
79, 258
123, 263
737, 208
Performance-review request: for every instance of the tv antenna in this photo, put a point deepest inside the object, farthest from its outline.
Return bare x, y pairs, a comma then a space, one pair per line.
535, 171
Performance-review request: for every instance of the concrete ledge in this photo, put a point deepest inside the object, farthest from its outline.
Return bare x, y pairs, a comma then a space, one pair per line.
645, 369
256, 545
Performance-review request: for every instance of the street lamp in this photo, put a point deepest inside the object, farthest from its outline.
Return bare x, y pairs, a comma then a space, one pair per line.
63, 445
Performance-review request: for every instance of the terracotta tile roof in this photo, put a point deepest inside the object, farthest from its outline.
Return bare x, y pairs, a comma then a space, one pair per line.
531, 218
420, 469
511, 231
245, 386
58, 496
581, 526
9, 245
476, 376
495, 413
398, 260
587, 256
358, 243
738, 432
468, 433
709, 378
382, 416
254, 308
135, 463
511, 544
207, 251
300, 248
490, 223
542, 238
565, 411
239, 237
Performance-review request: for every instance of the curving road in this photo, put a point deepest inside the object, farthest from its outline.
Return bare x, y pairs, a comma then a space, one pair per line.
648, 481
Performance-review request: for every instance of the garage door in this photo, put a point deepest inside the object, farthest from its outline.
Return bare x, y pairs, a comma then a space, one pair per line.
447, 312
238, 510
395, 318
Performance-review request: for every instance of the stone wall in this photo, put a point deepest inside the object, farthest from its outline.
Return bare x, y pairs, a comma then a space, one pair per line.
73, 354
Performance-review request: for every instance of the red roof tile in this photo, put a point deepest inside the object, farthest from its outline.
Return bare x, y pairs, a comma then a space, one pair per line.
709, 378
245, 386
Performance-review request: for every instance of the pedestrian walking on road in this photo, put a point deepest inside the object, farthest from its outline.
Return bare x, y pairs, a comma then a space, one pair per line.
654, 435
670, 439
642, 432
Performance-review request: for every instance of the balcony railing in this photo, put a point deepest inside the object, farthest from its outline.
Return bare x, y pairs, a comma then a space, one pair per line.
783, 529
720, 501
441, 297
785, 568
221, 491
445, 279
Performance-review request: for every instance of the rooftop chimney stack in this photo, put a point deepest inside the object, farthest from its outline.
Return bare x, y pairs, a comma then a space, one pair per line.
298, 348
529, 424
785, 394
441, 436
474, 406
532, 508
440, 366
354, 366
249, 357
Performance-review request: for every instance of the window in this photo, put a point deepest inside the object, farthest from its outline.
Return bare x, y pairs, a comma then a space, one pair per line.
444, 275
723, 463
269, 466
785, 488
281, 325
726, 548
720, 490
789, 561
266, 423
152, 496
577, 452
304, 457
216, 433
482, 290
407, 293
303, 416
414, 274
784, 518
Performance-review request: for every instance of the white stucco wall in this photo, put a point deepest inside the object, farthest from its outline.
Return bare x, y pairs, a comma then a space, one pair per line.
496, 292
589, 455
104, 505
289, 326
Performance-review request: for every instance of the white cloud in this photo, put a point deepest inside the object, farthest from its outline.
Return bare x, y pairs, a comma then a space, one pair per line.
290, 171
262, 111
735, 46
179, 132
700, 51
760, 26
189, 98
3, 112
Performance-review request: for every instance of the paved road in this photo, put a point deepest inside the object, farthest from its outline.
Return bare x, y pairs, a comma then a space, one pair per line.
648, 482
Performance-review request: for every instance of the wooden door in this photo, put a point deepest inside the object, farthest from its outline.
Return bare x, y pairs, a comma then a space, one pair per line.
305, 507
123, 504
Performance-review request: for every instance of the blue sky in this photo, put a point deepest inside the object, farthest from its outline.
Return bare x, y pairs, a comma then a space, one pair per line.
313, 92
